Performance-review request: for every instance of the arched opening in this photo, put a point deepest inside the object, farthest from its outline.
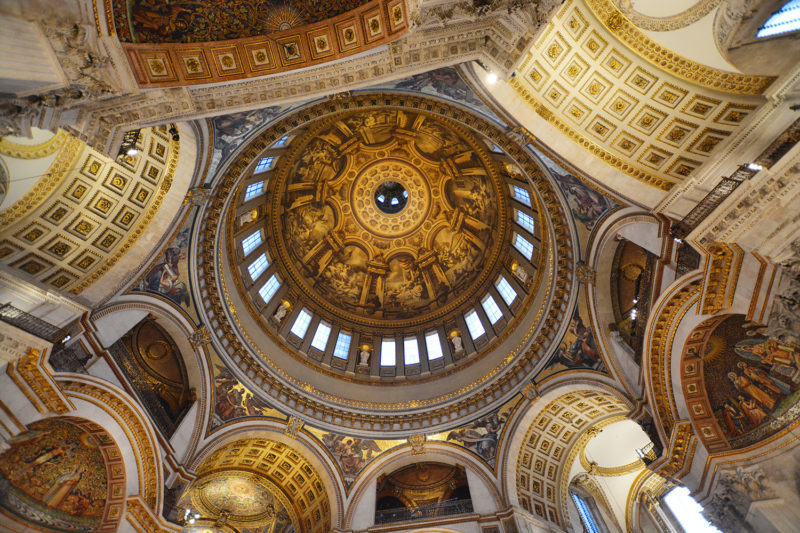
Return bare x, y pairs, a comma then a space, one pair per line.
422, 491
258, 485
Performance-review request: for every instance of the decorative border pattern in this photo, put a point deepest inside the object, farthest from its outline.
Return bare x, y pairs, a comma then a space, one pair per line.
674, 22
182, 64
25, 151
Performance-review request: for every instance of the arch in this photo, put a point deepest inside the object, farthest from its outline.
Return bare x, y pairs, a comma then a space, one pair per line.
63, 472
645, 231
286, 487
109, 324
120, 414
543, 448
270, 430
482, 482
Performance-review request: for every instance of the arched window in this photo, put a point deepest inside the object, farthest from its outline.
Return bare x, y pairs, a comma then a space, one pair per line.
585, 513
785, 20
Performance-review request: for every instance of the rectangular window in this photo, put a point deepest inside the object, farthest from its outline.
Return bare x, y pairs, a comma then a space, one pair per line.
253, 190
268, 290
524, 247
525, 220
264, 164
258, 266
411, 350
522, 196
388, 356
281, 142
585, 514
342, 347
506, 290
251, 242
434, 345
493, 312
301, 323
474, 324
320, 340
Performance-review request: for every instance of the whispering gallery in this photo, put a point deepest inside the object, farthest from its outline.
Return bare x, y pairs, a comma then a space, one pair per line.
443, 266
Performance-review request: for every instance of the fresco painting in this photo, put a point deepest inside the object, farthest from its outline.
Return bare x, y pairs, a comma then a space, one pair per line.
232, 400
352, 454
482, 436
188, 21
169, 275
753, 382
55, 474
578, 348
587, 205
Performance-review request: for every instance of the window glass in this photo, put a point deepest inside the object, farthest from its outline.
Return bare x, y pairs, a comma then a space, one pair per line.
521, 195
523, 245
434, 345
688, 511
253, 190
342, 346
251, 242
525, 220
258, 266
493, 312
783, 21
268, 290
301, 323
411, 350
281, 142
474, 324
320, 340
388, 357
506, 290
264, 164
586, 515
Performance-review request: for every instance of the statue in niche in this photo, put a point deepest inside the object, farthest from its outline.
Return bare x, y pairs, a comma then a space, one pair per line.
520, 273
458, 343
363, 355
281, 311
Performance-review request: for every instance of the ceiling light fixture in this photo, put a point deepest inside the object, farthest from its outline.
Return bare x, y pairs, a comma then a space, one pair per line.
491, 78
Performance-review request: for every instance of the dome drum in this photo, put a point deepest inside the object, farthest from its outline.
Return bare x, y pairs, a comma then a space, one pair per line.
320, 277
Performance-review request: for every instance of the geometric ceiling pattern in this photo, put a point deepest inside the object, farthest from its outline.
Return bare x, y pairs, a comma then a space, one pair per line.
545, 457
631, 114
301, 490
80, 218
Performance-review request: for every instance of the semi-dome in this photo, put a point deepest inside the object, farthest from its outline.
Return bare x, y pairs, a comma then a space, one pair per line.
389, 240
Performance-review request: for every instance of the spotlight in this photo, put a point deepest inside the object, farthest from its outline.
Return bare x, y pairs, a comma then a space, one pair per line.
491, 78
132, 151
174, 132
755, 167
66, 339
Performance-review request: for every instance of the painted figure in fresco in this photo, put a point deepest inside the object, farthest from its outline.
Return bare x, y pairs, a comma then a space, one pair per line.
760, 377
743, 384
584, 345
445, 81
164, 278
480, 436
783, 359
753, 412
734, 418
351, 454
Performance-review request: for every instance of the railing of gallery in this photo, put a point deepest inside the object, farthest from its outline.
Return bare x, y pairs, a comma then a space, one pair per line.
385, 516
31, 324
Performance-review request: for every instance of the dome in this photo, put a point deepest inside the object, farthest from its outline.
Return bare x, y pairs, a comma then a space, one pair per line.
388, 240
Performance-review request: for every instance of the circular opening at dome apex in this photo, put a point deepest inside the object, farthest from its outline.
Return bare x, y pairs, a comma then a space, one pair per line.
391, 197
